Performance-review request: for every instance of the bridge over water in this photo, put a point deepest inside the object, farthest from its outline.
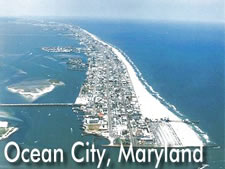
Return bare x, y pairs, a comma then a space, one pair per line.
39, 104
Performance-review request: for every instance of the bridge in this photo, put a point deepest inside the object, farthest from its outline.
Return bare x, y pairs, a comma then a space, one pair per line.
39, 104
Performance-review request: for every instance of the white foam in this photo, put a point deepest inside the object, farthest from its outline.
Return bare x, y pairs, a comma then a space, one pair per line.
151, 107
9, 116
204, 166
44, 66
20, 71
34, 92
50, 58
32, 96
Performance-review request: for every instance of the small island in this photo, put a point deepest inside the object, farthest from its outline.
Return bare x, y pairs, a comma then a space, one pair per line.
62, 49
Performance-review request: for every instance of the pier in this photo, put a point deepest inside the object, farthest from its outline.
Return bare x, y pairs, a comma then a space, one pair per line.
39, 104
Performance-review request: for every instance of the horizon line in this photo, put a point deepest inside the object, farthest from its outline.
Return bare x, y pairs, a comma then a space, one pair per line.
118, 19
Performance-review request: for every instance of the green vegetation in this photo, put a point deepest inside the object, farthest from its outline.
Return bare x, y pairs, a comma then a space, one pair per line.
3, 130
54, 81
118, 141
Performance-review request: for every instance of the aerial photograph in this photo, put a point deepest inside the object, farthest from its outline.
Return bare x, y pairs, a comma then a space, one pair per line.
128, 84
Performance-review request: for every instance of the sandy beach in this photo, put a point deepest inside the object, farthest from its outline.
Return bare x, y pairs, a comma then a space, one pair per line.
9, 132
151, 106
31, 91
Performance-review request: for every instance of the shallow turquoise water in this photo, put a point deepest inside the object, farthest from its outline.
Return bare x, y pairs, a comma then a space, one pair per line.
183, 62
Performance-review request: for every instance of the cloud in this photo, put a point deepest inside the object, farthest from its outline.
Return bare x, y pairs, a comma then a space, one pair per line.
132, 9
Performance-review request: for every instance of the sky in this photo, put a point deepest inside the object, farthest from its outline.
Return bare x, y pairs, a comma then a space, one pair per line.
186, 10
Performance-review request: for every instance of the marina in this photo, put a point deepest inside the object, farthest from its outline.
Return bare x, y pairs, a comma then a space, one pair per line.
58, 126
115, 103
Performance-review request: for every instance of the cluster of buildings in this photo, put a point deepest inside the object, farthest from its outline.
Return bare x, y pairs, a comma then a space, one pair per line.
76, 64
59, 49
107, 97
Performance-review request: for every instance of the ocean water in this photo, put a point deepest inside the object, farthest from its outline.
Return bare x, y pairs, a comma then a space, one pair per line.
183, 62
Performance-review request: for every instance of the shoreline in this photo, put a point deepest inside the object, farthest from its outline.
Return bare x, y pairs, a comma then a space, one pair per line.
11, 131
185, 132
37, 93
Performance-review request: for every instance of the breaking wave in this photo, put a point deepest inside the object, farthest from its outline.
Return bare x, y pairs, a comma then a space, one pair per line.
204, 137
7, 116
